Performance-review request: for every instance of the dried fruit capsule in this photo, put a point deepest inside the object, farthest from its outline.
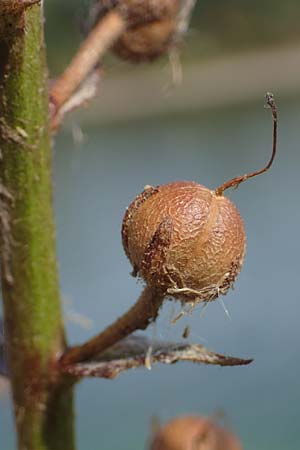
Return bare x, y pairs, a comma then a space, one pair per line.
187, 239
194, 433
153, 27
207, 239
184, 240
146, 42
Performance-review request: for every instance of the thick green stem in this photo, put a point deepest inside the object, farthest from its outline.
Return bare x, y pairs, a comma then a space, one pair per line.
32, 309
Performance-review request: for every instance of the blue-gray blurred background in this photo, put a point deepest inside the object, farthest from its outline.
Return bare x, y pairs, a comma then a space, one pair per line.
142, 130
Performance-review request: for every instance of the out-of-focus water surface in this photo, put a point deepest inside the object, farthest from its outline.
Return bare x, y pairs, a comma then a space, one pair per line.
94, 182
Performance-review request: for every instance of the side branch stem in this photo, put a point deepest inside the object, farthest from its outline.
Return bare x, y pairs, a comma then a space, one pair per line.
138, 317
102, 37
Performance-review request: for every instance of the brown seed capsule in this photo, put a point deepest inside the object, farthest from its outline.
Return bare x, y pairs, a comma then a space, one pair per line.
186, 239
146, 42
207, 239
183, 240
146, 11
194, 433
152, 27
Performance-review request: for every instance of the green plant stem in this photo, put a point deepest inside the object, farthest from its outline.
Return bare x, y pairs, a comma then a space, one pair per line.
32, 309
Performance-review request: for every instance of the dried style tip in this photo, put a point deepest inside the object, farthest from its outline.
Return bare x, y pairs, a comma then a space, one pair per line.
153, 27
184, 239
235, 182
194, 433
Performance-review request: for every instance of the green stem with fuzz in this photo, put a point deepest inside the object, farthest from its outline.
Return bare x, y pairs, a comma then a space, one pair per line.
142, 313
32, 309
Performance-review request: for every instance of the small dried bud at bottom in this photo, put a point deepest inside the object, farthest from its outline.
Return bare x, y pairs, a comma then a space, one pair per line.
194, 433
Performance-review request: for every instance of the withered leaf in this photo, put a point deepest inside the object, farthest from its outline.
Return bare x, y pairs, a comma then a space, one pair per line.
133, 352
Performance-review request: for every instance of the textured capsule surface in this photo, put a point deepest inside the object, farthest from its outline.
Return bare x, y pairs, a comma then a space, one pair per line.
152, 28
203, 235
146, 42
194, 433
142, 11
